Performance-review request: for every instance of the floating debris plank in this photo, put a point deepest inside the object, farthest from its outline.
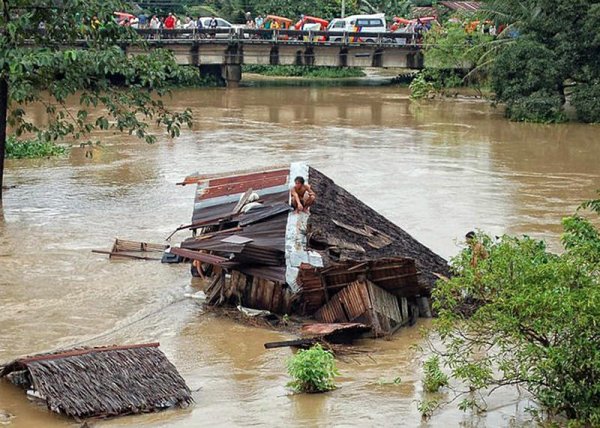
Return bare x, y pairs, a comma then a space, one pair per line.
124, 249
101, 382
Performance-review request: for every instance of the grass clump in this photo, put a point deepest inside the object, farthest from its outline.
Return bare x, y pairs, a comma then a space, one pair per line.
32, 149
312, 370
303, 71
434, 377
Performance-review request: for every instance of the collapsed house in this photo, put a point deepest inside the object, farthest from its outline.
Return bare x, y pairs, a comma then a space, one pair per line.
341, 263
101, 382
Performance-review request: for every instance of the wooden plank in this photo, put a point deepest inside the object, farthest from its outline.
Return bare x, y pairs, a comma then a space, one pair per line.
356, 230
113, 254
286, 343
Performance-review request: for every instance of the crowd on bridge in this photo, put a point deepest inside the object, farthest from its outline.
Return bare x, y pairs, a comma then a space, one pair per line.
374, 23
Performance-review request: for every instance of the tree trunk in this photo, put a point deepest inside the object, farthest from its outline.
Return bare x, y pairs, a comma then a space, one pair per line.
3, 114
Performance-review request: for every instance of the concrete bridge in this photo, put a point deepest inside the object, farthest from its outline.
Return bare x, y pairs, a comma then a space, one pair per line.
224, 51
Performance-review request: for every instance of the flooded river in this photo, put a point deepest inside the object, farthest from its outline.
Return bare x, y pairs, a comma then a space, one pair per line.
437, 169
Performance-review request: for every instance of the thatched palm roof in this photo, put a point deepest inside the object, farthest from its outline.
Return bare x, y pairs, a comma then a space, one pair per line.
102, 382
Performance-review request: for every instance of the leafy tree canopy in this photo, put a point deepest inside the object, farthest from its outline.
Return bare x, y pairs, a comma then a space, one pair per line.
532, 319
52, 52
555, 48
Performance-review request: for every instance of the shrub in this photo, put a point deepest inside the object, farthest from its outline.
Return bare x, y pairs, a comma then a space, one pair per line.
539, 107
420, 87
586, 100
312, 370
434, 377
31, 149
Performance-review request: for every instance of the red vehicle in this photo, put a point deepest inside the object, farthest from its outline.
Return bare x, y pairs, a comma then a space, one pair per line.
314, 24
403, 23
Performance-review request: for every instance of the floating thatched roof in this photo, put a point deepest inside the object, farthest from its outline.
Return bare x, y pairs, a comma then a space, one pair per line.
101, 382
337, 213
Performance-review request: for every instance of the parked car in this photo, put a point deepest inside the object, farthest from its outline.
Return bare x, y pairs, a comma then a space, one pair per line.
221, 24
357, 24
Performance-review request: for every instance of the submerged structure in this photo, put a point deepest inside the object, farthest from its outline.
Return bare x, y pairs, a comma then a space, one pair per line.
101, 382
341, 263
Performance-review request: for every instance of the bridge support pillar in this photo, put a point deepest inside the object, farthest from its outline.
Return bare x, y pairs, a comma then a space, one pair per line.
231, 74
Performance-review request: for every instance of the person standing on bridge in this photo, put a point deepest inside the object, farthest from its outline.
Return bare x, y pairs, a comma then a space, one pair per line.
154, 23
213, 24
170, 22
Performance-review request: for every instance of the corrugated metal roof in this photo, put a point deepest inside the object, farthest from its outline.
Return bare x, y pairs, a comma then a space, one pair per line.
468, 6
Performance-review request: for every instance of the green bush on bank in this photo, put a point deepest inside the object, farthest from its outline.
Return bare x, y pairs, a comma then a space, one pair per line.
303, 71
539, 107
32, 149
586, 100
190, 77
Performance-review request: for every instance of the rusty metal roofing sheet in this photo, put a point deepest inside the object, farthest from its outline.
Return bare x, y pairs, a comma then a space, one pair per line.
203, 257
272, 273
222, 207
236, 239
467, 6
257, 215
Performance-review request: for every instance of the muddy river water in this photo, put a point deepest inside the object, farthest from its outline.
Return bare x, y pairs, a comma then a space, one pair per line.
437, 169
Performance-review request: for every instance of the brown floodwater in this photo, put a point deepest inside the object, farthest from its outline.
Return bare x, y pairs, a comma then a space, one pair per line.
438, 169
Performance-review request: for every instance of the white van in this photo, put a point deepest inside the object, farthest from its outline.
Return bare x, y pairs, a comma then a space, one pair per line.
357, 23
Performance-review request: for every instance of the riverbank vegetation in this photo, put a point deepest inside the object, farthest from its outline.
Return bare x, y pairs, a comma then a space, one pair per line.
520, 315
31, 149
312, 370
543, 61
42, 72
303, 71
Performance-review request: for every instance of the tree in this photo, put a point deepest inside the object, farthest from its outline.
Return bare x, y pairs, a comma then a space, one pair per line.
54, 52
562, 37
533, 320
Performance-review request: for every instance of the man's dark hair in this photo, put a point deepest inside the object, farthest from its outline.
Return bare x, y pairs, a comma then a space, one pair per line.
299, 179
470, 235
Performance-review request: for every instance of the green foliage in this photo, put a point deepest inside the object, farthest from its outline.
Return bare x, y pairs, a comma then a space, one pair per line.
530, 90
312, 370
46, 73
303, 71
548, 46
434, 378
539, 107
535, 322
189, 77
427, 407
31, 149
452, 47
586, 100
420, 87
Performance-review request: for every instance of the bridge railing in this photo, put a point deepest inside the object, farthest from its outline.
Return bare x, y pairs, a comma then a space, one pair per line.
237, 34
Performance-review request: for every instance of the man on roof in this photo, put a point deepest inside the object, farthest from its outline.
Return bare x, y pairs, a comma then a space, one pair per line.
302, 195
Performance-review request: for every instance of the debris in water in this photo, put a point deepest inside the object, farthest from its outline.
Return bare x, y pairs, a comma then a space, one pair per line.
135, 250
101, 382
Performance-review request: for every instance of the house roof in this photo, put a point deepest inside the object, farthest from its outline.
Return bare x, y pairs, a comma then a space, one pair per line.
315, 255
466, 6
249, 240
340, 217
102, 382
